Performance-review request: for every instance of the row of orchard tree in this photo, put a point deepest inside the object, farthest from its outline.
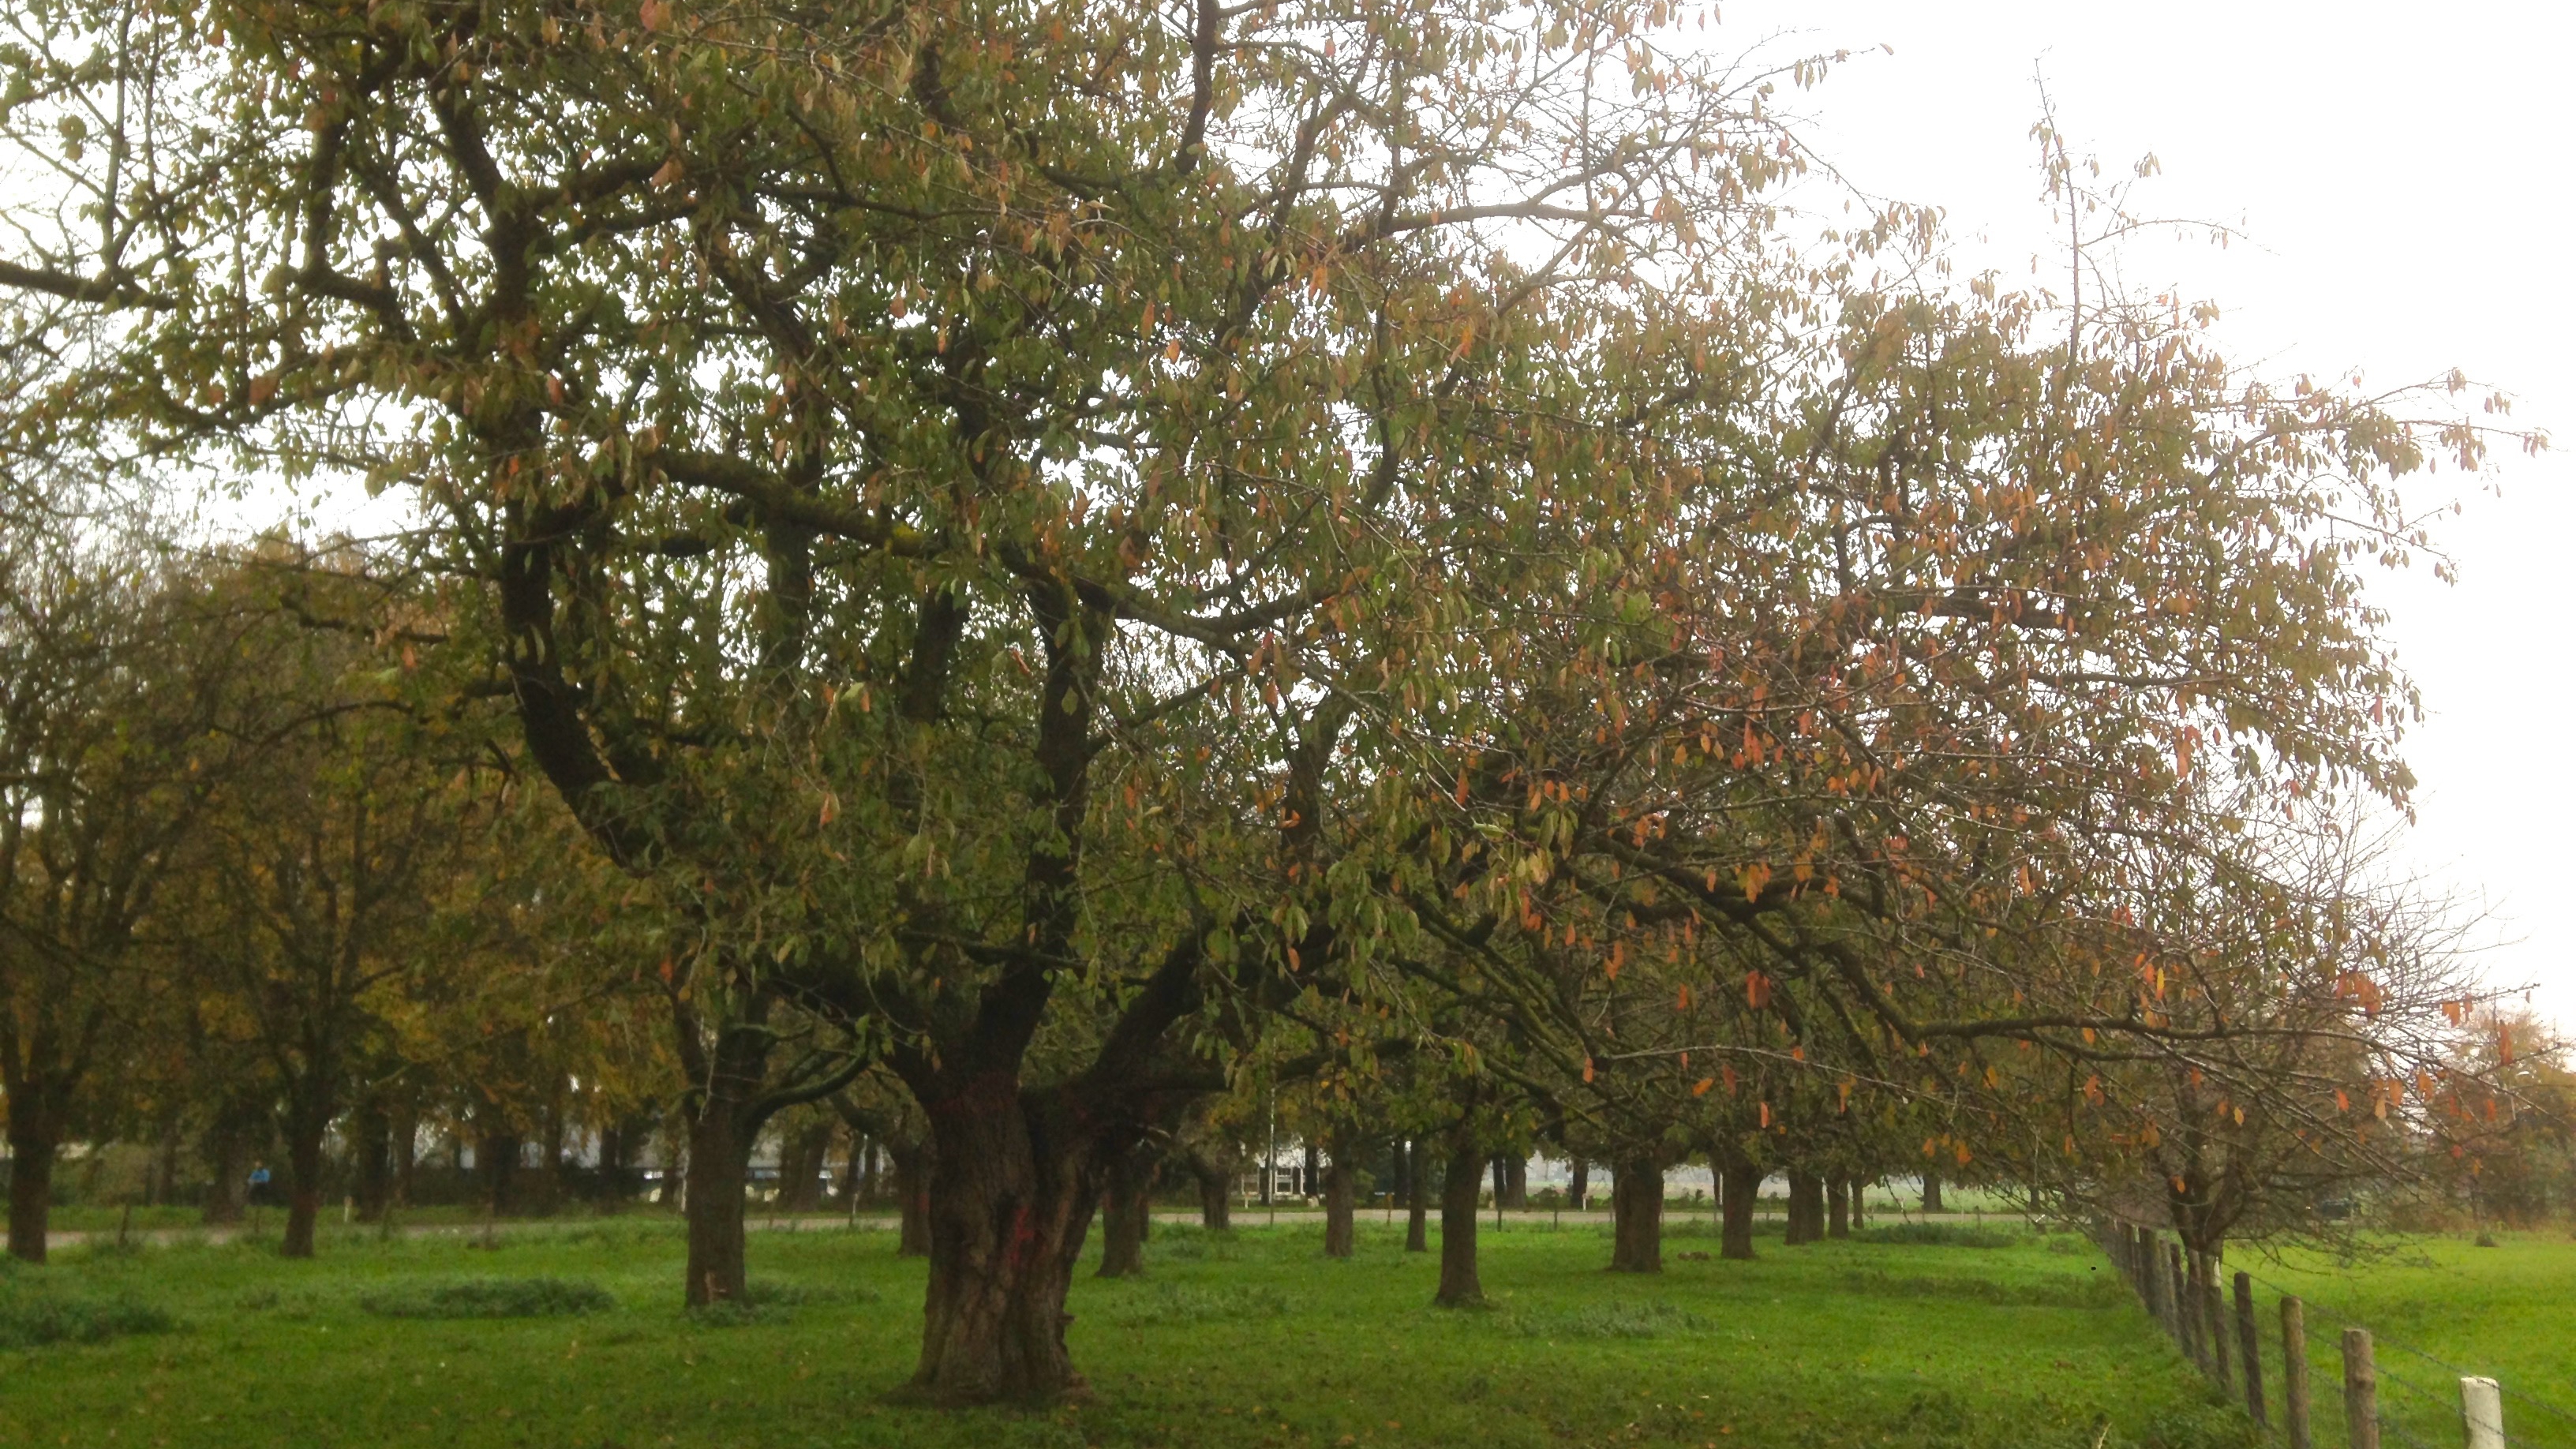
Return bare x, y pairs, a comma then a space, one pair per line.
1058, 560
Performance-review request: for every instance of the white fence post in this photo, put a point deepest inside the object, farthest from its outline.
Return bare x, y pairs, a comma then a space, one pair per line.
2482, 1411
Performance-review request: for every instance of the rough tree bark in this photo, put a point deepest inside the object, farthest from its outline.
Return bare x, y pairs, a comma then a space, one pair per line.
800, 1167
1515, 1183
1014, 1176
310, 1105
371, 1154
719, 1171
496, 1161
1125, 1204
912, 1196
1743, 1186
1458, 1285
1805, 1207
1931, 1190
1341, 1185
1837, 1207
34, 1141
1637, 1217
1216, 1192
226, 1148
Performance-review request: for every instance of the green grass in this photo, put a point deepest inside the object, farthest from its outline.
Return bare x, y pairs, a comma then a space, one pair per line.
1252, 1339
2436, 1307
488, 1298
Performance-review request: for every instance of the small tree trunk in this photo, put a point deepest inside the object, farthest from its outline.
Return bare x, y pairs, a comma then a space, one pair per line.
1743, 1186
1341, 1183
496, 1161
1515, 1183
1417, 1203
1859, 1188
227, 1151
612, 1167
1637, 1217
404, 1138
1458, 1285
854, 1164
1123, 1205
912, 1192
32, 1149
168, 1173
372, 1155
1216, 1193
1931, 1190
1837, 1207
801, 1190
1804, 1208
718, 1172
1578, 1184
304, 1130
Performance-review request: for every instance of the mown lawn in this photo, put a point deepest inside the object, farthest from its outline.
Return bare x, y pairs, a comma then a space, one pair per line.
1252, 1339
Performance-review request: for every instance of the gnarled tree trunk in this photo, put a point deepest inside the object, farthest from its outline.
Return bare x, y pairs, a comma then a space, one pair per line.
1637, 1217
1458, 1285
1013, 1179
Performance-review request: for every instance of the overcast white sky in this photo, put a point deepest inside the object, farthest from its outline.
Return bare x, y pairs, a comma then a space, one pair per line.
2403, 174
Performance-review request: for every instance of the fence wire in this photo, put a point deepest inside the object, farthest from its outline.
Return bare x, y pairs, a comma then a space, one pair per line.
2511, 1395
2445, 1401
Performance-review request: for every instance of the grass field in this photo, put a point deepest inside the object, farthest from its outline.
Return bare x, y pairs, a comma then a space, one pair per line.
2437, 1307
1252, 1339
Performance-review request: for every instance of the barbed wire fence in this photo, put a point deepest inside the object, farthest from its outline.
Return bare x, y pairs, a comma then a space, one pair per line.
2346, 1388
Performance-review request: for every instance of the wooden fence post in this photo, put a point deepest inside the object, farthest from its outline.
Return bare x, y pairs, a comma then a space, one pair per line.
2251, 1348
2294, 1373
2360, 1391
2150, 1274
2187, 1303
2482, 1412
2177, 1288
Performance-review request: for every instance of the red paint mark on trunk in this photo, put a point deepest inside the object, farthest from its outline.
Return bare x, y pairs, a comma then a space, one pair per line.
1024, 1236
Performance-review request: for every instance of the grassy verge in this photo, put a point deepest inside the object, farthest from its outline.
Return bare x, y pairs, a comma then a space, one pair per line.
1251, 1339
